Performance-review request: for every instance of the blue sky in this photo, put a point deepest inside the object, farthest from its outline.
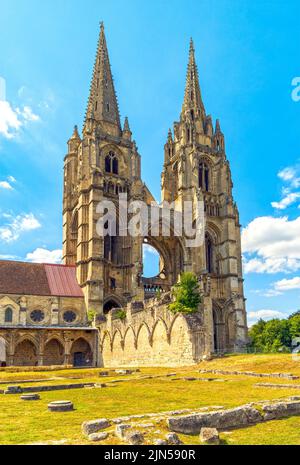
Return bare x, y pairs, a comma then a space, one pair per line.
247, 54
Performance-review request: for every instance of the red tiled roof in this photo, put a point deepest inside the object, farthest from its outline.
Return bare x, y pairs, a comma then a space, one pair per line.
62, 280
38, 279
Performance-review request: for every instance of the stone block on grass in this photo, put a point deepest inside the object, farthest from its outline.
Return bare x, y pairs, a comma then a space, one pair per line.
209, 436
94, 426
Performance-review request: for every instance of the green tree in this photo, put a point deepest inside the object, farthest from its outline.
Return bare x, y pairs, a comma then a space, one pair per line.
294, 314
186, 294
91, 314
276, 335
294, 325
256, 335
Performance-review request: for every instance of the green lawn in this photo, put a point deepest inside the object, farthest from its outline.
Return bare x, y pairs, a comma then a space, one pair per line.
28, 422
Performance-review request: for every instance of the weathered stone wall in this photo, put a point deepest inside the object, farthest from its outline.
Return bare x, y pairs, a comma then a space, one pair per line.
151, 336
31, 346
53, 310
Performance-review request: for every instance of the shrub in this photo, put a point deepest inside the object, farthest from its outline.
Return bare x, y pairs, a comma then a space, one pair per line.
91, 314
186, 294
121, 314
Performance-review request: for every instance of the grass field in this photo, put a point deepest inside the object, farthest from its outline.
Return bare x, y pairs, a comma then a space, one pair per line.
30, 422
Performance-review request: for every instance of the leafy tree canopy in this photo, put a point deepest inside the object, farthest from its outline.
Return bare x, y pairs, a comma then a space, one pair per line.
186, 294
275, 335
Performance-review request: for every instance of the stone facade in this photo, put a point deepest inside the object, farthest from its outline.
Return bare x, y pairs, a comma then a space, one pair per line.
105, 162
101, 164
47, 326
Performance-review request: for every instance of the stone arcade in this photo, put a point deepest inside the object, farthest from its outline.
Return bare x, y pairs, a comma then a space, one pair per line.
43, 308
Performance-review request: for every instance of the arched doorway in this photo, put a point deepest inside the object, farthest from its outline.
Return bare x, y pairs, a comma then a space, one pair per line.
53, 353
2, 352
219, 333
81, 353
25, 354
109, 305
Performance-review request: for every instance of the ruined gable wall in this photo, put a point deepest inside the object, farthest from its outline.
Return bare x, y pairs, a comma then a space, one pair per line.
151, 336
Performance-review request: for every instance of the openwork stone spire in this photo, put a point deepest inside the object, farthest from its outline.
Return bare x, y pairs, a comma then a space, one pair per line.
102, 103
192, 97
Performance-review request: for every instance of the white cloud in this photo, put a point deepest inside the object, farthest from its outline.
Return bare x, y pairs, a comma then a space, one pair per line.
291, 175
41, 255
9, 120
12, 120
275, 242
287, 174
288, 200
287, 284
6, 185
254, 316
21, 223
8, 257
27, 114
271, 293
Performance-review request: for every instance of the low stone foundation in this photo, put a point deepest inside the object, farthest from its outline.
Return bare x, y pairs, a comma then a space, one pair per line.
235, 418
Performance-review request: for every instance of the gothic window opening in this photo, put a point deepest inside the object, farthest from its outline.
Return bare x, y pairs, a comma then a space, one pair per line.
107, 107
74, 234
209, 251
111, 163
204, 177
115, 167
112, 284
192, 115
111, 244
8, 315
109, 305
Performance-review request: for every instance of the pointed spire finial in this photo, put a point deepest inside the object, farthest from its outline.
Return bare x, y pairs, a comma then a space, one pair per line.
170, 136
192, 96
102, 103
126, 125
218, 127
192, 45
75, 134
126, 129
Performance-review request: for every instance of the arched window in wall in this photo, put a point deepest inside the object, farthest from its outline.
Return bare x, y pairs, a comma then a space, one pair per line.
111, 241
8, 318
204, 181
209, 251
111, 163
74, 233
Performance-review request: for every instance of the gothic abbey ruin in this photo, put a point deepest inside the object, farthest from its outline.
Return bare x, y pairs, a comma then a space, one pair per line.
106, 273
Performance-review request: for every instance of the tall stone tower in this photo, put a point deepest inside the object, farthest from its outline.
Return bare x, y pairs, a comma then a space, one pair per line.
104, 163
196, 167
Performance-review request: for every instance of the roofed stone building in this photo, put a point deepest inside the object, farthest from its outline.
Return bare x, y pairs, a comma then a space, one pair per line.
43, 319
44, 303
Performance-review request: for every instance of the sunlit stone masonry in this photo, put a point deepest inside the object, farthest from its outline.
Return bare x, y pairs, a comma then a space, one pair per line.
44, 308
